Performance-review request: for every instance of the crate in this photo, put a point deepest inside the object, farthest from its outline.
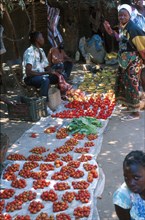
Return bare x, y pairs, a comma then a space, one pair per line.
28, 109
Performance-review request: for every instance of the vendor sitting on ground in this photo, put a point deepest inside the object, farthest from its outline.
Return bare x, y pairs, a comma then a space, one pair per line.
58, 59
37, 70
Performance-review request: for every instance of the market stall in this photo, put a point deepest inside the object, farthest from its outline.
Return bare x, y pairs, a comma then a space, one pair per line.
52, 171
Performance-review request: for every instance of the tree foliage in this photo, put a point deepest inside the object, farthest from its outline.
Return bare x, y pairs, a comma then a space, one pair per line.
9, 5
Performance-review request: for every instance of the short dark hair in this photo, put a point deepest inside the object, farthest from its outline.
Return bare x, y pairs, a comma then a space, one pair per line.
135, 157
129, 2
33, 36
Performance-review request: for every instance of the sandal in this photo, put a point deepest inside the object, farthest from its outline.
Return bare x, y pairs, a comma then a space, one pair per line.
129, 118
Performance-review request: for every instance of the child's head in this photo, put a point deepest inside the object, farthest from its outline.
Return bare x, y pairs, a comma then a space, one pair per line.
134, 171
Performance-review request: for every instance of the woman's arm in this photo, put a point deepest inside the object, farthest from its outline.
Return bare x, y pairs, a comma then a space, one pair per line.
110, 31
123, 214
49, 57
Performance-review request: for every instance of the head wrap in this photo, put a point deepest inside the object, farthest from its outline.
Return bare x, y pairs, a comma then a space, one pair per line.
125, 6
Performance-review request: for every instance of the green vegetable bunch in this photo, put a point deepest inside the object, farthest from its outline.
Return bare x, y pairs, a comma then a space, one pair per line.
84, 125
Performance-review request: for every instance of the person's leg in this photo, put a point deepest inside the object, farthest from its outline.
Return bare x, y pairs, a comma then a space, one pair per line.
68, 68
41, 82
120, 86
132, 90
142, 78
53, 79
58, 66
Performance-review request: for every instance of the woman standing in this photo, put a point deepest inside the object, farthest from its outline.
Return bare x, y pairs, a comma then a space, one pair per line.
130, 56
129, 199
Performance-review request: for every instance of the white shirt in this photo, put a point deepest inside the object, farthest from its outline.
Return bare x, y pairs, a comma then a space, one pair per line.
138, 19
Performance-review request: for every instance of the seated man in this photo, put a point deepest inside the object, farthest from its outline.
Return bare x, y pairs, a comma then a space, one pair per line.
37, 70
59, 60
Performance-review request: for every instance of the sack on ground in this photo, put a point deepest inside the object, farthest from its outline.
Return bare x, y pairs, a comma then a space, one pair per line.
54, 98
95, 48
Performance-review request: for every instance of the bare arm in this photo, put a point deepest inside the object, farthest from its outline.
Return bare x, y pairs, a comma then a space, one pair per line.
110, 31
49, 57
123, 214
30, 72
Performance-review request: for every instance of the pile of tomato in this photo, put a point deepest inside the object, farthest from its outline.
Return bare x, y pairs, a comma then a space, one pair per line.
101, 108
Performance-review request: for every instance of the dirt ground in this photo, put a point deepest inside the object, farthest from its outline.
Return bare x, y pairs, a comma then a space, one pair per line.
119, 139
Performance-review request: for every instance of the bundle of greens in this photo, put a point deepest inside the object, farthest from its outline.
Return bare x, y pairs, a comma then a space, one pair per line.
84, 125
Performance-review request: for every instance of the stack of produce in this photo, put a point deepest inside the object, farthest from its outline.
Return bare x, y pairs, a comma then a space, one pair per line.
75, 94
68, 192
94, 106
100, 82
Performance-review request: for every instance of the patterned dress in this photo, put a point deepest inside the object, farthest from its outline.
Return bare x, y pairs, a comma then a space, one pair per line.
131, 45
126, 199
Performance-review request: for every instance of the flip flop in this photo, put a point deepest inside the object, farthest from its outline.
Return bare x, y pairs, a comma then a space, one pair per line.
129, 118
125, 110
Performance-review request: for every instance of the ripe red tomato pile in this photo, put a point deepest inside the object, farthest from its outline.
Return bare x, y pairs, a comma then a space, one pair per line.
9, 176
85, 158
14, 205
13, 168
16, 157
38, 150
7, 193
89, 167
58, 163
2, 205
35, 207
49, 196
63, 216
40, 184
25, 173
79, 136
68, 196
89, 144
83, 196
80, 184
61, 186
19, 183
30, 165
44, 216
62, 133
67, 158
5, 217
34, 157
46, 167
51, 157
64, 149
101, 108
67, 169
50, 130
91, 175
23, 217
39, 175
81, 212
60, 206
26, 196
34, 135
59, 176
